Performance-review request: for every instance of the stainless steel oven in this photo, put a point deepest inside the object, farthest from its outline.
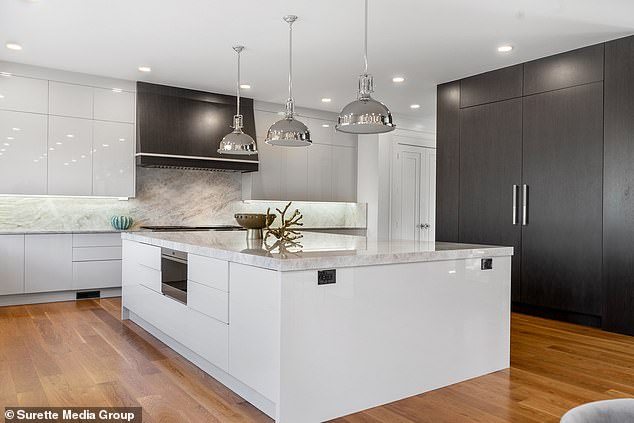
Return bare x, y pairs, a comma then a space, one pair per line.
174, 274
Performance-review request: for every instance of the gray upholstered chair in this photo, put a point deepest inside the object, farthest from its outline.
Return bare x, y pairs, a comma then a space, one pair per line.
609, 411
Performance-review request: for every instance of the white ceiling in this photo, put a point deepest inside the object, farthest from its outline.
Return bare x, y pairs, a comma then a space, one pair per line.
188, 42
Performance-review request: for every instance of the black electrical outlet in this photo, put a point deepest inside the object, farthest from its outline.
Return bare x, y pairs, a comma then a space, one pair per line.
486, 264
326, 277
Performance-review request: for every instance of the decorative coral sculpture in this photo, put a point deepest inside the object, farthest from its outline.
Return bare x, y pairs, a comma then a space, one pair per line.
284, 233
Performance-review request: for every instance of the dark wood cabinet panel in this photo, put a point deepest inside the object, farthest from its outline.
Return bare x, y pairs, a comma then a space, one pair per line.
447, 161
490, 164
618, 198
563, 168
497, 85
564, 70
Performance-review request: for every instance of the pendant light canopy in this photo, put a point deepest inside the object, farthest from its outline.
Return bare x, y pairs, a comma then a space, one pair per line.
365, 115
289, 132
237, 142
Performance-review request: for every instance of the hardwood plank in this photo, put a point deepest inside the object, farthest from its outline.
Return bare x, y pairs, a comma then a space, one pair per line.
554, 367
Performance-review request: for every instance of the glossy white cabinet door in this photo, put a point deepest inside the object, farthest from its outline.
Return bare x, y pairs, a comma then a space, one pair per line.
11, 264
69, 156
22, 153
113, 159
320, 179
70, 100
321, 131
267, 181
345, 140
23, 94
344, 162
48, 263
115, 106
294, 173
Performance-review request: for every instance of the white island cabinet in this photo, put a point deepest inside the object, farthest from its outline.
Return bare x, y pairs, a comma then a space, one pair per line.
339, 325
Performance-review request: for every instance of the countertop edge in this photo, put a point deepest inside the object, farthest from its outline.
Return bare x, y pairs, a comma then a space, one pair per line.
314, 263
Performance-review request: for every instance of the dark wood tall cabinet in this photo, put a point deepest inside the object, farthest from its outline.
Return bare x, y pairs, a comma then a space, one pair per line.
618, 189
490, 168
562, 165
563, 127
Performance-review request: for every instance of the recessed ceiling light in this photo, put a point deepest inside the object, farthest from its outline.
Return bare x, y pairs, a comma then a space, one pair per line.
117, 90
15, 129
74, 160
505, 48
121, 139
145, 69
325, 125
415, 106
59, 143
245, 86
70, 136
7, 144
13, 46
83, 156
105, 145
10, 138
326, 100
52, 148
3, 149
66, 164
398, 79
35, 160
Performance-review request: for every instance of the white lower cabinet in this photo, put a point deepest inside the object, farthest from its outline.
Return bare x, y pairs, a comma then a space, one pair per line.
48, 263
96, 274
11, 264
210, 301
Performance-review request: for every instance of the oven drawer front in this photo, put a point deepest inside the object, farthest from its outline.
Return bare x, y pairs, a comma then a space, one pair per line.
210, 301
208, 271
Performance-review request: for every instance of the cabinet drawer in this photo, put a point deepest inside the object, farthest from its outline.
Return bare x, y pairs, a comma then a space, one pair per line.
209, 301
148, 277
97, 274
205, 336
97, 240
147, 255
208, 271
96, 253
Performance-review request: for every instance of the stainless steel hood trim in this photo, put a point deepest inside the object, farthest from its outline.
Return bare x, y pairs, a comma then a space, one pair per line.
211, 159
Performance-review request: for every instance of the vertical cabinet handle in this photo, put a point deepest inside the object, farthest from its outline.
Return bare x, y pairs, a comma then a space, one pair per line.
516, 190
524, 205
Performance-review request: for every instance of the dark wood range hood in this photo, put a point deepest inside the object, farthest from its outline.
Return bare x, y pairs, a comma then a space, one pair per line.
182, 128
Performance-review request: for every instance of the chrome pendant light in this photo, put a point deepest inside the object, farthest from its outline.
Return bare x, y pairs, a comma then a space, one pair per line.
237, 142
289, 132
365, 115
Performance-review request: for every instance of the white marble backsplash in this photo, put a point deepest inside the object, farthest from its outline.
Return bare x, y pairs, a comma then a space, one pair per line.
166, 197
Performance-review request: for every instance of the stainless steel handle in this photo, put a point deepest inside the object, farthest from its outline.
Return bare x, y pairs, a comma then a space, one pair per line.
524, 205
516, 190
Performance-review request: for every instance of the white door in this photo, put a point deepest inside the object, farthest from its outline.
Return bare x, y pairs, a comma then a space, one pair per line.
113, 159
413, 193
11, 264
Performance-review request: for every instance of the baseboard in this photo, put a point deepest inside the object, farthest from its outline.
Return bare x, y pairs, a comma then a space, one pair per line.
52, 297
564, 316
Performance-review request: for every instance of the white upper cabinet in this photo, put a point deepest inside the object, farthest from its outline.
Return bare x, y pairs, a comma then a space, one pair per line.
69, 156
344, 165
113, 159
22, 152
23, 94
70, 100
114, 105
320, 172
50, 130
323, 171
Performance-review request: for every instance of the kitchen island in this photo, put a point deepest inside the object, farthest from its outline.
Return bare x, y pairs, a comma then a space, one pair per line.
334, 326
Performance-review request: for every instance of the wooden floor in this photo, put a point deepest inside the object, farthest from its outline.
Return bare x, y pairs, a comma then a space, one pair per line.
81, 354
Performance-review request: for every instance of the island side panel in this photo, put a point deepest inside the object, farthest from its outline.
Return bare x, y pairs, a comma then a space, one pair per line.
382, 333
254, 334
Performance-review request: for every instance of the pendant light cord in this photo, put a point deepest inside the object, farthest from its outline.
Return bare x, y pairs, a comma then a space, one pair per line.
365, 44
238, 88
290, 60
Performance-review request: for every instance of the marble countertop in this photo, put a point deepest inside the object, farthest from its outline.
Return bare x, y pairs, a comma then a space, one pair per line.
317, 251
